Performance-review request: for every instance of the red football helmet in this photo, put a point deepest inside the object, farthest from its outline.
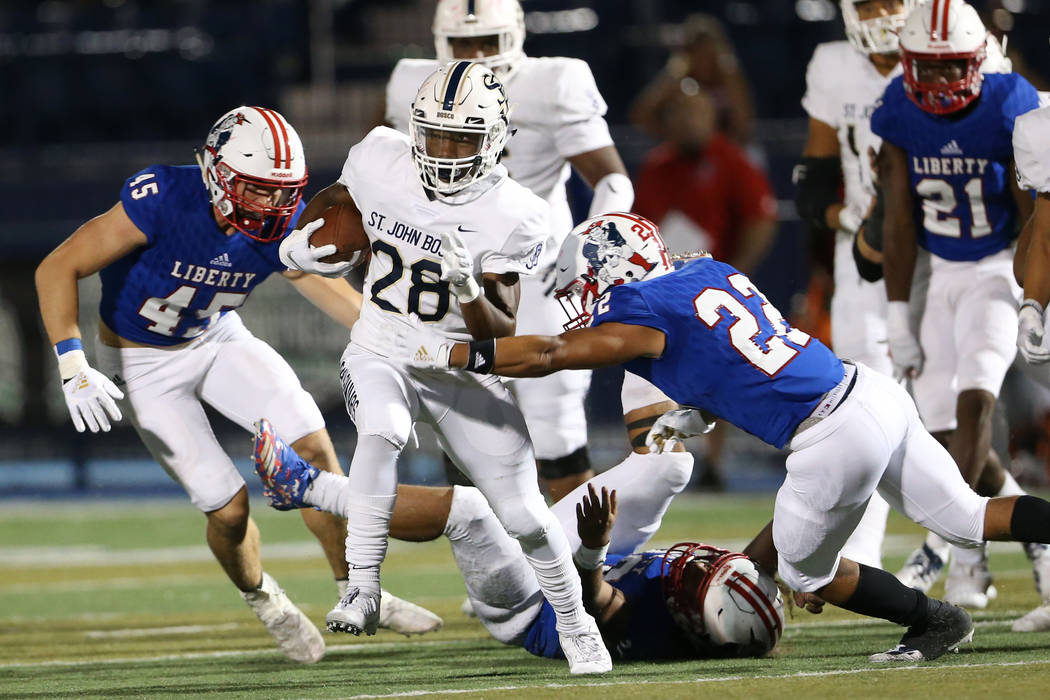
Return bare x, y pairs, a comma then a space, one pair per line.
728, 606
255, 169
942, 46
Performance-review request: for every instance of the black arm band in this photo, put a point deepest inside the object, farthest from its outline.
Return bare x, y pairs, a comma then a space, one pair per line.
869, 271
482, 355
817, 182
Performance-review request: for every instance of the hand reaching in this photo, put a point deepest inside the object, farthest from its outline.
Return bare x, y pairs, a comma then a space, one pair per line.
677, 425
595, 518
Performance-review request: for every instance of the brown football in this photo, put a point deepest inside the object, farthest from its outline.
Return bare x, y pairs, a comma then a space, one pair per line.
342, 227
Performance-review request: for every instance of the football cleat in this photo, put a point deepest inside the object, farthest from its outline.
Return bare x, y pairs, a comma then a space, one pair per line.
295, 635
356, 612
284, 474
947, 627
970, 586
1037, 620
406, 618
921, 569
585, 652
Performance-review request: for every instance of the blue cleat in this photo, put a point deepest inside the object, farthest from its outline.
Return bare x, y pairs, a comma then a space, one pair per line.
284, 474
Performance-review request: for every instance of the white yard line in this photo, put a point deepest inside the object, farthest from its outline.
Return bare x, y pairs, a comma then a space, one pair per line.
721, 679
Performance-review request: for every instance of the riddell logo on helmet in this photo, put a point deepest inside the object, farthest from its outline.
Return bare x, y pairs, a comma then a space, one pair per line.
281, 173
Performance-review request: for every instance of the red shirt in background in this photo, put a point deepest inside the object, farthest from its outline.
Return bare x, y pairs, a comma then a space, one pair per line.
720, 191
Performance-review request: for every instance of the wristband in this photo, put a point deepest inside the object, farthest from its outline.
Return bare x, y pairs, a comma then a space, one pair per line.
1035, 305
70, 363
481, 355
898, 314
64, 346
590, 559
468, 291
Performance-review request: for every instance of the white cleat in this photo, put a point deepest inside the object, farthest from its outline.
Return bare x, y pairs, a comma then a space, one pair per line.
295, 635
406, 618
467, 608
970, 586
585, 652
1037, 620
356, 612
921, 569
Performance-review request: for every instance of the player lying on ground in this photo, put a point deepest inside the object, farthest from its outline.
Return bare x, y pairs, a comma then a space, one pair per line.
689, 601
708, 338
176, 256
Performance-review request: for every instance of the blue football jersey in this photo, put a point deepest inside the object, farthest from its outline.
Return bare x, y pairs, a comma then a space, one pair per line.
650, 631
728, 350
190, 272
959, 167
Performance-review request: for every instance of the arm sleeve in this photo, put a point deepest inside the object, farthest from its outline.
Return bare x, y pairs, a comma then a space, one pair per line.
818, 100
579, 113
144, 205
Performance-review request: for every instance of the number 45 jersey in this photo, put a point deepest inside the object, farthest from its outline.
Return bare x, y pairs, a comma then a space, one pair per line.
728, 350
189, 272
502, 224
959, 165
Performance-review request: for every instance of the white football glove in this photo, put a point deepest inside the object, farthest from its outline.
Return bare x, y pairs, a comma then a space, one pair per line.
677, 425
1031, 333
89, 397
297, 253
457, 267
905, 351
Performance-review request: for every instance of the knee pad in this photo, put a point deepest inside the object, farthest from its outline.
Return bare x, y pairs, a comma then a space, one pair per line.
528, 525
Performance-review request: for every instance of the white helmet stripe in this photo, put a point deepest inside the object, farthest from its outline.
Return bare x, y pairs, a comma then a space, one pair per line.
452, 83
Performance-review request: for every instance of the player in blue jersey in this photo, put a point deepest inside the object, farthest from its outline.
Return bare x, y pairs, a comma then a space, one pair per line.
708, 338
952, 212
176, 256
691, 601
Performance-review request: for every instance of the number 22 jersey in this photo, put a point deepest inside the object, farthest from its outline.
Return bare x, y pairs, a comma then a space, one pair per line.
189, 273
728, 350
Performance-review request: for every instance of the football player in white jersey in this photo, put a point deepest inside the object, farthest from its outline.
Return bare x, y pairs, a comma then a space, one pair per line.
844, 81
442, 215
1031, 143
557, 122
176, 255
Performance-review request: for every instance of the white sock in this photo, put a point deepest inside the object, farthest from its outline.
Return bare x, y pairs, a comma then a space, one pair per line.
1010, 486
329, 492
962, 556
939, 545
371, 493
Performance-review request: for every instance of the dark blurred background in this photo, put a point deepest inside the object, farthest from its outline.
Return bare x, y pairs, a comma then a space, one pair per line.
92, 91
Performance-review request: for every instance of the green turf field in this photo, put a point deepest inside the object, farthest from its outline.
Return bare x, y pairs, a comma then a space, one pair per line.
123, 599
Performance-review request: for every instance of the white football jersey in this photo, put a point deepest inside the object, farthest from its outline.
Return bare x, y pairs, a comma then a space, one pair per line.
1032, 149
503, 224
842, 90
556, 113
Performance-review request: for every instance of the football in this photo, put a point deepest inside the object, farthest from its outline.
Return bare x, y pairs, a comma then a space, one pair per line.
342, 228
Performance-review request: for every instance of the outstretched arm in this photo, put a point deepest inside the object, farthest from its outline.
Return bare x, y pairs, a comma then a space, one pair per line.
537, 355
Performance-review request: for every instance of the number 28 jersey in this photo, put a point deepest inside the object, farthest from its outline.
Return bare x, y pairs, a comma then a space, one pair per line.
959, 167
189, 273
728, 350
503, 225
